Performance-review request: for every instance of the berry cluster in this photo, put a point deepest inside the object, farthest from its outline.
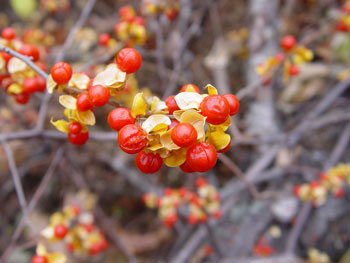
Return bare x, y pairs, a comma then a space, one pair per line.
174, 132
93, 92
332, 181
169, 7
130, 30
18, 79
343, 24
74, 226
262, 248
290, 58
55, 6
200, 204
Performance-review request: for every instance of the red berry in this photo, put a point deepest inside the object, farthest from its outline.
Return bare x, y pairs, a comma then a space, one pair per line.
341, 26
40, 84
95, 249
192, 219
39, 259
129, 60
103, 244
30, 85
30, 51
8, 33
171, 13
61, 72
191, 86
215, 108
120, 117
201, 156
99, 95
293, 70
217, 214
83, 102
132, 138
70, 247
5, 56
288, 43
170, 220
103, 39
74, 127
139, 20
226, 148
185, 167
78, 139
184, 135
60, 231
201, 182
233, 102
76, 209
171, 104
148, 163
89, 227
280, 57
22, 98
339, 193
296, 190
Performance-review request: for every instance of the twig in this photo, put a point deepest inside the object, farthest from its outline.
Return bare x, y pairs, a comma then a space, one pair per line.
336, 154
107, 223
17, 182
25, 59
38, 193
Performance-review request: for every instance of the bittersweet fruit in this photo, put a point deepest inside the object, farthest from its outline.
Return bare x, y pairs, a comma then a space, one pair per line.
74, 127
61, 72
84, 102
184, 135
185, 167
30, 51
103, 39
78, 139
288, 43
148, 163
201, 156
120, 117
215, 108
60, 231
171, 104
99, 95
190, 88
22, 98
233, 102
132, 138
129, 60
8, 33
39, 259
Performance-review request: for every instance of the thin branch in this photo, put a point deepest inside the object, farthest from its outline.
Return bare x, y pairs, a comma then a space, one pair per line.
17, 182
25, 59
37, 195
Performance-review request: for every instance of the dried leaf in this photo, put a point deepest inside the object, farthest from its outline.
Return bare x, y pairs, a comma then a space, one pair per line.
176, 158
196, 120
167, 142
79, 80
15, 88
139, 106
86, 117
68, 102
61, 125
156, 123
16, 65
50, 84
188, 100
211, 90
